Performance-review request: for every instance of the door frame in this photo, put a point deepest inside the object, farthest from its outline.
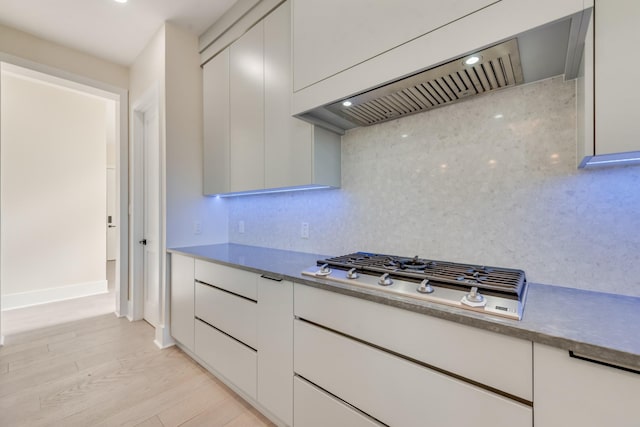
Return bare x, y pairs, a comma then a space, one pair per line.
120, 97
148, 101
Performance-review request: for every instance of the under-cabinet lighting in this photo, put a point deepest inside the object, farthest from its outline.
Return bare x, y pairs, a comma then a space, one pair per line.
347, 103
275, 190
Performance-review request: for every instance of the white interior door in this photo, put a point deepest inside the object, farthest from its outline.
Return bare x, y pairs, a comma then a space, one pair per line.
112, 238
151, 259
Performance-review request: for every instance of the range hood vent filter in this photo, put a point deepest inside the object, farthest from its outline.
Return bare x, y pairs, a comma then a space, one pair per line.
499, 67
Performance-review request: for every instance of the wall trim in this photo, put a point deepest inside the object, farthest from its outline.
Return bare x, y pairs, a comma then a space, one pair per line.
43, 296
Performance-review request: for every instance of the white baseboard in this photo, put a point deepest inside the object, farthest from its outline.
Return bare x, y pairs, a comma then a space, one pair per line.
43, 296
163, 339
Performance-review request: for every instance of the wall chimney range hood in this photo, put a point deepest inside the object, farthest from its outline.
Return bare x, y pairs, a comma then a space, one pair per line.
547, 51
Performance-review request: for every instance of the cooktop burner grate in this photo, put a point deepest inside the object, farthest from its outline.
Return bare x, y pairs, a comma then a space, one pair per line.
503, 281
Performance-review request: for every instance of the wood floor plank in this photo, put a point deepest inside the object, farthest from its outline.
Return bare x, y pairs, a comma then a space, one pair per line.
106, 371
151, 422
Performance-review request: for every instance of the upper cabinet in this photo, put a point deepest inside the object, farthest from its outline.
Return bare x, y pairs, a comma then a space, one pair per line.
608, 118
346, 48
251, 141
333, 35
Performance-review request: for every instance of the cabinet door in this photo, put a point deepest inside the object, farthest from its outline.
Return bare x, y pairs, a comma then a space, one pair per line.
574, 392
247, 111
182, 299
333, 35
287, 139
215, 81
616, 111
394, 390
275, 347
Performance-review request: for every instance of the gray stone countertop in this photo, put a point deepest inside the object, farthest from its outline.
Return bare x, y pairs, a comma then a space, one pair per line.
596, 325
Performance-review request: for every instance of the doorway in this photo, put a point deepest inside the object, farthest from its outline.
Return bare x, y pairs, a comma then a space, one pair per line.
117, 100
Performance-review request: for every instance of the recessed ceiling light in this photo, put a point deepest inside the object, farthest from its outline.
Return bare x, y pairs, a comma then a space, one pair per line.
498, 116
347, 103
472, 60
120, 1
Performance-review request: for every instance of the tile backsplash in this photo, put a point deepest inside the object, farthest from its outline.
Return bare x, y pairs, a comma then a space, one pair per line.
491, 180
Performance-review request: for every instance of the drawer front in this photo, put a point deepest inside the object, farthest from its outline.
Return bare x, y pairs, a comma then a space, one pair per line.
236, 362
315, 408
394, 390
231, 279
499, 361
231, 314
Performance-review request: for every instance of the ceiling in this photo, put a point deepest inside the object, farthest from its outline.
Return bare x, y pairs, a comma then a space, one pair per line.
107, 29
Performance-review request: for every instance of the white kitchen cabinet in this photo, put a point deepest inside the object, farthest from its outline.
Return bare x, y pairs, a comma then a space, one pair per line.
395, 390
296, 153
275, 347
215, 83
228, 357
231, 314
495, 360
246, 111
574, 392
234, 280
606, 99
345, 48
182, 299
254, 143
316, 408
333, 35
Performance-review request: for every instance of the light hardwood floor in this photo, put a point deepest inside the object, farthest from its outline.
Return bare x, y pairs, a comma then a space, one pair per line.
105, 371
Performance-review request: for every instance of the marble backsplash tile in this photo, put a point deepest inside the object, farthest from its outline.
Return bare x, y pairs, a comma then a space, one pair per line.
491, 180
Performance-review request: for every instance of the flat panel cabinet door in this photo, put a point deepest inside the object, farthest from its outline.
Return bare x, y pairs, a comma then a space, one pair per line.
394, 390
215, 81
182, 292
574, 392
315, 408
275, 347
333, 35
616, 109
288, 140
247, 111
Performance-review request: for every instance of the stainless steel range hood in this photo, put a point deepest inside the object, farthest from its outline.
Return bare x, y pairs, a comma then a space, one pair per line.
544, 52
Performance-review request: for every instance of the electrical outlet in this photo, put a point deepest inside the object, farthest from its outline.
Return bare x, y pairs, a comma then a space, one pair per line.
197, 227
240, 226
304, 230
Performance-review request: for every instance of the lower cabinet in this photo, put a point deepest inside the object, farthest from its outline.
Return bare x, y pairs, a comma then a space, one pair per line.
275, 347
316, 408
182, 299
228, 356
394, 390
574, 392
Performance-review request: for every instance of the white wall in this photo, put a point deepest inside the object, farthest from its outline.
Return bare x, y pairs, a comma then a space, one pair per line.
53, 153
465, 185
32, 48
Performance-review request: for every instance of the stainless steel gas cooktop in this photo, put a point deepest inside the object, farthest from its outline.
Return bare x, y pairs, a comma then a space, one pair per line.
491, 290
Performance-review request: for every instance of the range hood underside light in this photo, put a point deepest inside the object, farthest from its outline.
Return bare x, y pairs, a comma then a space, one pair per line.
497, 67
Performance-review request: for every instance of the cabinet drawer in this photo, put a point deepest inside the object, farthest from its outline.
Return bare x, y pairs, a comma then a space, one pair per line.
231, 314
394, 390
315, 408
231, 279
499, 361
233, 360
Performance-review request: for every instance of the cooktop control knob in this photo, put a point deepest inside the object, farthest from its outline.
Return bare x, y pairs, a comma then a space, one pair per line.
425, 287
474, 299
385, 280
324, 270
352, 274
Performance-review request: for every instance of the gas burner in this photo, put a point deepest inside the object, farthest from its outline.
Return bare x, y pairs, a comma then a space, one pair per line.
480, 269
472, 276
414, 264
391, 264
